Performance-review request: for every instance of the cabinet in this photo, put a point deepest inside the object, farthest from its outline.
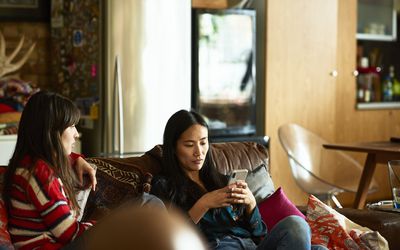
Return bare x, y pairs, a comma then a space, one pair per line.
7, 145
376, 20
377, 42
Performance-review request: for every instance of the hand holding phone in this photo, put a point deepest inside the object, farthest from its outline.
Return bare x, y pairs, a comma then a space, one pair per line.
236, 175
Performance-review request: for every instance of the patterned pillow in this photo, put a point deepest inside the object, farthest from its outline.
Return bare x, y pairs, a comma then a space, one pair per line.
114, 187
334, 231
5, 241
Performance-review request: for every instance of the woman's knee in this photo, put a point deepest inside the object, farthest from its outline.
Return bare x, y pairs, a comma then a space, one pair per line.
291, 232
151, 200
296, 226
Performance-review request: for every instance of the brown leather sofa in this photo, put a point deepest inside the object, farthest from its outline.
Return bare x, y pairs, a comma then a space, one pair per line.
120, 179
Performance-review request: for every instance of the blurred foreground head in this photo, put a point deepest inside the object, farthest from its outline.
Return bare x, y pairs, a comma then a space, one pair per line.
149, 228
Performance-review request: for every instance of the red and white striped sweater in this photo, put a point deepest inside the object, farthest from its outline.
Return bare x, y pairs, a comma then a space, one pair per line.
40, 216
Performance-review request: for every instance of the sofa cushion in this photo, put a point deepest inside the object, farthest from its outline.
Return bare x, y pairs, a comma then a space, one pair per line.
260, 183
5, 240
334, 231
277, 207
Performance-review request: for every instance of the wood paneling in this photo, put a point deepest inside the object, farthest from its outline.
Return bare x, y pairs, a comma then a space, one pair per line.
301, 52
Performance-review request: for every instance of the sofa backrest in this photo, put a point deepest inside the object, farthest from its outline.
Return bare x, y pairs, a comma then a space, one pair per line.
119, 179
227, 156
122, 178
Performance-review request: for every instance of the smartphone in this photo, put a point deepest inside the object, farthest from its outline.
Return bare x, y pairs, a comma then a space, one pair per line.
238, 174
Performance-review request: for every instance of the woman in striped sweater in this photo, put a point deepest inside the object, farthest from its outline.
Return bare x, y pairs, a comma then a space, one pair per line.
40, 181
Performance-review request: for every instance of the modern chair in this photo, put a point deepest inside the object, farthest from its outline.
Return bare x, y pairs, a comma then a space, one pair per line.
394, 177
318, 171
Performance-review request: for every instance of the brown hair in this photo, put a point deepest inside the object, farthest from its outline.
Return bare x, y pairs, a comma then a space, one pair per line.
43, 120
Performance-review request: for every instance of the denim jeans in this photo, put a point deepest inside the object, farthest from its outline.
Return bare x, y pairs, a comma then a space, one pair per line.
290, 233
151, 200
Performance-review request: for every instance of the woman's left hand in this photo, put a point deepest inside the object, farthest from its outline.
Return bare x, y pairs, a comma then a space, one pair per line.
83, 167
242, 194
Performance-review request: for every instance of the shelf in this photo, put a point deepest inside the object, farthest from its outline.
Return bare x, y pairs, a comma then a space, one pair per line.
210, 4
378, 105
376, 37
377, 20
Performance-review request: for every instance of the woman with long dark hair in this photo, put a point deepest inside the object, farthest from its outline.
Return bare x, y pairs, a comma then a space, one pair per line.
41, 180
190, 181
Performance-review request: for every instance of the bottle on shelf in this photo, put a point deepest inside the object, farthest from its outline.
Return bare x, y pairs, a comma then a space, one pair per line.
396, 87
387, 86
368, 82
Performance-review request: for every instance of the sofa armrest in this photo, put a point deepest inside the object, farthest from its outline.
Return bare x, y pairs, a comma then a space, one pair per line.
386, 223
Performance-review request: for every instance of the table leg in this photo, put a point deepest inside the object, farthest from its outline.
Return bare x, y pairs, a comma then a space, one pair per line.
365, 181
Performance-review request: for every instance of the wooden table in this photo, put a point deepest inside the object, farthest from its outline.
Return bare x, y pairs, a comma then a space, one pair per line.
377, 152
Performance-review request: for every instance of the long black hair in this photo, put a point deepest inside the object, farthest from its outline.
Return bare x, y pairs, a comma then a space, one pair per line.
43, 121
184, 192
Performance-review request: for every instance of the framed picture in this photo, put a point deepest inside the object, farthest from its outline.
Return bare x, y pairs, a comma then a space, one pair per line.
25, 10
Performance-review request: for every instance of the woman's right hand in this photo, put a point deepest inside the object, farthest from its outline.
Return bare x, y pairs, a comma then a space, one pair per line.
214, 199
217, 198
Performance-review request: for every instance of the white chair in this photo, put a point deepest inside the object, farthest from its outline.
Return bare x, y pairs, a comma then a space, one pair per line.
323, 173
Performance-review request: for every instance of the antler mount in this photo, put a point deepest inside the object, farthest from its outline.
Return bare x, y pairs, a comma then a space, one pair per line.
6, 62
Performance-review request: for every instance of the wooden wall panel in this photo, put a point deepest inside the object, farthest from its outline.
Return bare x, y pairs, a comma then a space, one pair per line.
301, 52
346, 53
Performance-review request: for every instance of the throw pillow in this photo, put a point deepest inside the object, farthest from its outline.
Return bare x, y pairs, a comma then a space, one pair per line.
277, 207
5, 240
260, 183
114, 187
334, 231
